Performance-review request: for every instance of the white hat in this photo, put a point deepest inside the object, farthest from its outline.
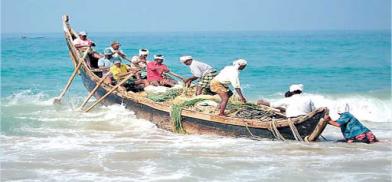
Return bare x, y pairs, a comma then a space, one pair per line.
185, 58
240, 62
82, 33
143, 52
295, 87
158, 56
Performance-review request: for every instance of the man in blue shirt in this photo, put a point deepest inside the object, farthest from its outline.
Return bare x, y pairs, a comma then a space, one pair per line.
105, 62
352, 129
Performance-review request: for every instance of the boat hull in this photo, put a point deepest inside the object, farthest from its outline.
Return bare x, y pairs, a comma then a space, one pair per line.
199, 126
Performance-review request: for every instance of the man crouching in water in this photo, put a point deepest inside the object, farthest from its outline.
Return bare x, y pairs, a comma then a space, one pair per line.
219, 85
352, 129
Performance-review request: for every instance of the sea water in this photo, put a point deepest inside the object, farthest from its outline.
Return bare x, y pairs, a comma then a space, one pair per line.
45, 142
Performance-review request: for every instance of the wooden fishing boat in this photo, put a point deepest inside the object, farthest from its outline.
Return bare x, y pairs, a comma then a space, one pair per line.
307, 127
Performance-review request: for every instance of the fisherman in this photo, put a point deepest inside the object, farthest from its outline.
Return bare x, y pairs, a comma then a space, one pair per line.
295, 104
119, 71
156, 71
115, 50
219, 84
82, 43
139, 62
351, 127
202, 71
104, 63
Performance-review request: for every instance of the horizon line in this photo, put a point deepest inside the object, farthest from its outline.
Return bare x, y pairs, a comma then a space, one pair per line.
212, 31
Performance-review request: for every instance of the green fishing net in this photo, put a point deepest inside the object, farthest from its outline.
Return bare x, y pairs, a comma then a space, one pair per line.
175, 113
162, 97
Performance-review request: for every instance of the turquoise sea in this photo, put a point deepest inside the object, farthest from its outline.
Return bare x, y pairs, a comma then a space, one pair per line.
40, 141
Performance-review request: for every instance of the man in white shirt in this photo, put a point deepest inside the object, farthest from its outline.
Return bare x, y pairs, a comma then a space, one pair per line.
295, 104
220, 84
202, 71
139, 62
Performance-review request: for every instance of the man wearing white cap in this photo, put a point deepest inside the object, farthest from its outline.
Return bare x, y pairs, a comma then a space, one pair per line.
204, 72
156, 71
139, 62
82, 43
220, 84
295, 104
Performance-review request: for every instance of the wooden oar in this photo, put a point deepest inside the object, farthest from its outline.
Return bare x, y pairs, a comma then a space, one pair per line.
93, 91
57, 100
109, 92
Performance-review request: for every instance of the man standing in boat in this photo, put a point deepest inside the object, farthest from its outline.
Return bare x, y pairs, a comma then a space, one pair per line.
156, 71
202, 71
139, 62
220, 84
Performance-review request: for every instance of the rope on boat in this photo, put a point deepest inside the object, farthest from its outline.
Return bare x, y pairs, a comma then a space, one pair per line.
251, 134
294, 130
274, 130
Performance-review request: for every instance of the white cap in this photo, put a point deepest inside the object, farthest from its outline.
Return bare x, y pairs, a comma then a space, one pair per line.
82, 33
159, 57
143, 52
240, 62
295, 87
185, 58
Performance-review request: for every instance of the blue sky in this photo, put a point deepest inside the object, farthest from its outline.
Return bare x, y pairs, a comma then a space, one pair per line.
195, 15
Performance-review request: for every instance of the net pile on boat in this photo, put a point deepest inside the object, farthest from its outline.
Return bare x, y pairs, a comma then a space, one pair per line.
181, 98
253, 111
162, 94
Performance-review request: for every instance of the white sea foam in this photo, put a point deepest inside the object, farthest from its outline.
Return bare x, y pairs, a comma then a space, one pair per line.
111, 144
363, 107
28, 97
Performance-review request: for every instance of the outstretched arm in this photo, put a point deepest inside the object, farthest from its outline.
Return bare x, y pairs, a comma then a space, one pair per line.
330, 121
175, 75
188, 81
239, 92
